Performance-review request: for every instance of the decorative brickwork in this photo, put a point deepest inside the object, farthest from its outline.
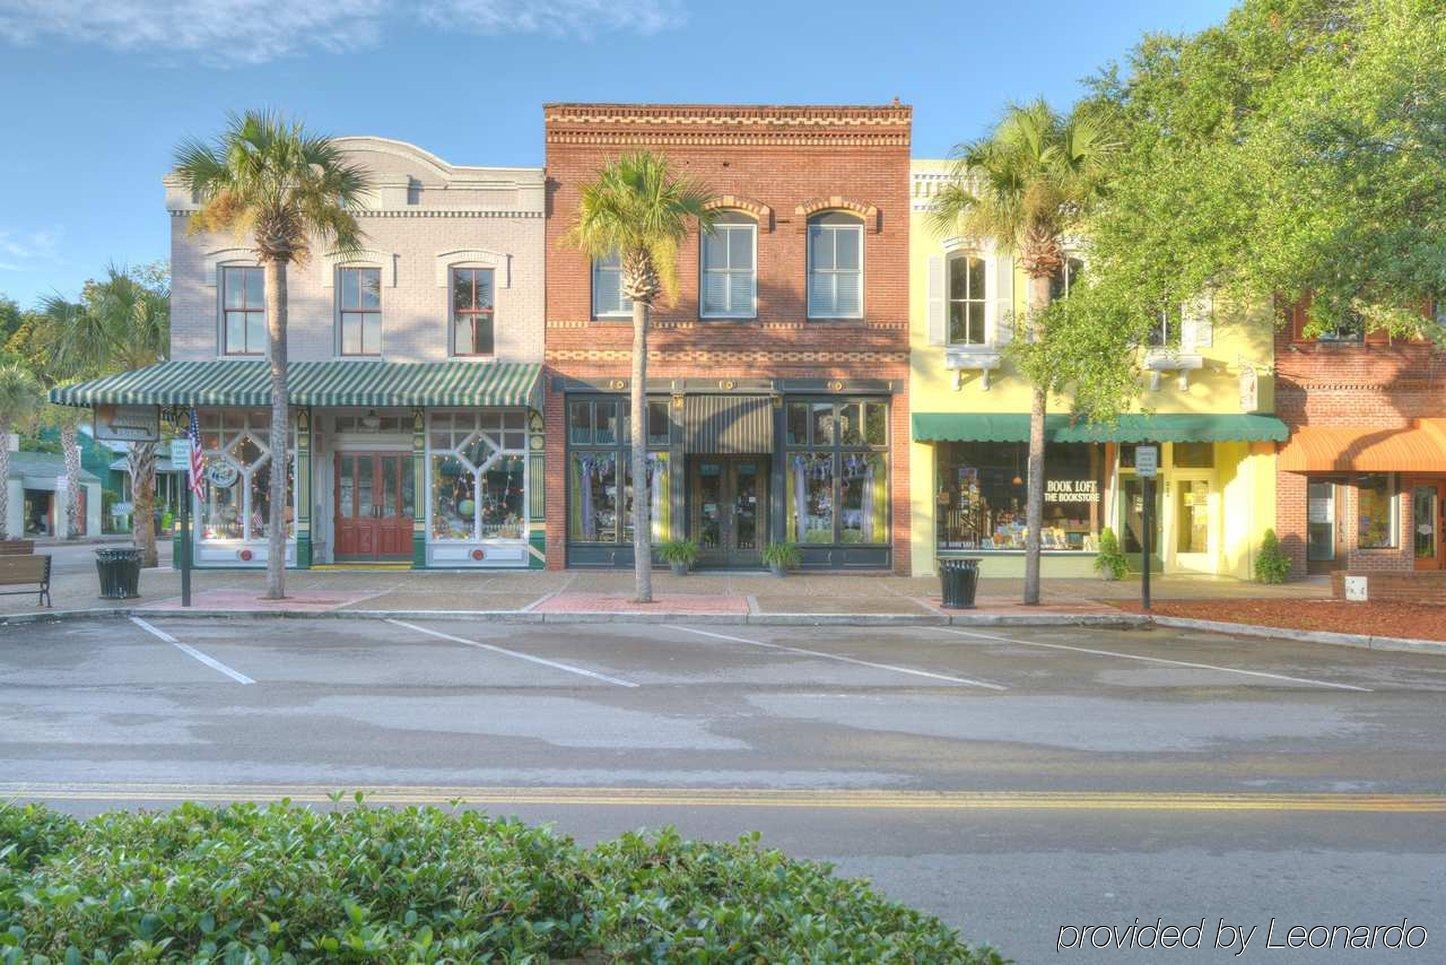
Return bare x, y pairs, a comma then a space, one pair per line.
772, 163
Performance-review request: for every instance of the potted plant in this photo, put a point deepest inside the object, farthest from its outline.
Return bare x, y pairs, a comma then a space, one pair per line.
1109, 561
680, 554
781, 557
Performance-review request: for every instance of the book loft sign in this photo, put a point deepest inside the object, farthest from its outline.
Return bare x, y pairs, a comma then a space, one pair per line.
127, 423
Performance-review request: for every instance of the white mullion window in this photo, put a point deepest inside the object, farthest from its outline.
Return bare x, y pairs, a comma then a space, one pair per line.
728, 286
835, 266
967, 300
608, 300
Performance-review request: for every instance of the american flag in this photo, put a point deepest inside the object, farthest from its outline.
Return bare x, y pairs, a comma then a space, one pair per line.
198, 462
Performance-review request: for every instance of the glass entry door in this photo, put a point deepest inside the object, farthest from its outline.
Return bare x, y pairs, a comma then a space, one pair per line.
373, 496
1428, 517
729, 509
1132, 519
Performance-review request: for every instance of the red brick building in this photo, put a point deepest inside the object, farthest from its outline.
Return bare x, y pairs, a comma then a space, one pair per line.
1361, 484
778, 382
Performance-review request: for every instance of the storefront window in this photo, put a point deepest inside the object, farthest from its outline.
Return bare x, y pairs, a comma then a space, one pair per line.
1376, 511
236, 492
838, 478
478, 462
981, 492
600, 492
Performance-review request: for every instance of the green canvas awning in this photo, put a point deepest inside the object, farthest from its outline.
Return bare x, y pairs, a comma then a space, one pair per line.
347, 382
1135, 427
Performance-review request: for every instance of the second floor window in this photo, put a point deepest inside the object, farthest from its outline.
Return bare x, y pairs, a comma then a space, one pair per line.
1350, 328
727, 286
607, 289
835, 266
1165, 333
1061, 281
359, 304
472, 311
966, 300
243, 311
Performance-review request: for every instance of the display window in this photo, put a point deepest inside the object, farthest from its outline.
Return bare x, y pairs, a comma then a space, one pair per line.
837, 485
600, 490
478, 463
982, 494
235, 502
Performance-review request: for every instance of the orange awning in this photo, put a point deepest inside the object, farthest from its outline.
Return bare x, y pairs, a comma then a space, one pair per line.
1419, 448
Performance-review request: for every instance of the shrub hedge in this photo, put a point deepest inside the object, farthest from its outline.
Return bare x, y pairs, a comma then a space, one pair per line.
285, 883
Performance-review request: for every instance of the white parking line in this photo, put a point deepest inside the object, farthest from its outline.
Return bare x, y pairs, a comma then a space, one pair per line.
842, 659
1173, 663
513, 653
191, 651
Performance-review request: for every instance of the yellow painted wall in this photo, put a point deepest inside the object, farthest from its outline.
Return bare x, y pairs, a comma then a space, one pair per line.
1243, 479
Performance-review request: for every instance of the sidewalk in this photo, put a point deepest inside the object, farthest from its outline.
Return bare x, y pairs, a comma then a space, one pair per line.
610, 591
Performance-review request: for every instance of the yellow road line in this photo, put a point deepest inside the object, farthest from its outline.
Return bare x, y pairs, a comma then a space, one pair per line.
837, 799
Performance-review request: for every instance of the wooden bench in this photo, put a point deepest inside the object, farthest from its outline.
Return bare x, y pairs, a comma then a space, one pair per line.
24, 571
17, 547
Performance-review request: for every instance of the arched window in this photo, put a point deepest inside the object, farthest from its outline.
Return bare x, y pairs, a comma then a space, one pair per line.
966, 300
728, 284
835, 266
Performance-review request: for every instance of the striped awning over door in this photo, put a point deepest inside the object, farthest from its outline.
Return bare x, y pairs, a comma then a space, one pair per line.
341, 382
723, 425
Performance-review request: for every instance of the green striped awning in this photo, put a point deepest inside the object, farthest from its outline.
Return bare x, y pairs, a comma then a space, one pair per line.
334, 383
1134, 427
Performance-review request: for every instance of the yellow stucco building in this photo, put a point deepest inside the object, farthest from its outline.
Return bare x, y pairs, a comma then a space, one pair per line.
1206, 399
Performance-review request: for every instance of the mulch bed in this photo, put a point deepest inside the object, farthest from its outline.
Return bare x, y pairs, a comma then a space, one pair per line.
1419, 621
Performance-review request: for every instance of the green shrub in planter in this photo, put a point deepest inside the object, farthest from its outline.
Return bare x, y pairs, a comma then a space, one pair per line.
782, 557
679, 553
1272, 565
282, 882
1110, 563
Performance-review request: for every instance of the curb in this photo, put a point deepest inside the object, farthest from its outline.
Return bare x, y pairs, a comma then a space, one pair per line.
1359, 640
1115, 620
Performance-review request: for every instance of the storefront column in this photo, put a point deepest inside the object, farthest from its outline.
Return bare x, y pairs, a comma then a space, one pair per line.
303, 488
421, 491
536, 492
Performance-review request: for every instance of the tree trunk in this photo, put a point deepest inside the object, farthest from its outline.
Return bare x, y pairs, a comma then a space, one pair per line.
5, 485
141, 461
275, 275
642, 511
1034, 507
71, 447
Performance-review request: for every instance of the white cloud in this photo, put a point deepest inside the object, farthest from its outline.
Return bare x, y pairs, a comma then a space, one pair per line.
257, 31
19, 250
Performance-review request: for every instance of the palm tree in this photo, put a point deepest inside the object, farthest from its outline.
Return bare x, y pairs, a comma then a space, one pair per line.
20, 399
641, 211
1028, 185
268, 180
121, 322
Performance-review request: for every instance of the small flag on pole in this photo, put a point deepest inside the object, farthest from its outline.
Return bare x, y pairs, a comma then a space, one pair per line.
198, 462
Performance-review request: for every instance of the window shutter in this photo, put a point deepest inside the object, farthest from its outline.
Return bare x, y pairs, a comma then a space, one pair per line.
1002, 280
937, 302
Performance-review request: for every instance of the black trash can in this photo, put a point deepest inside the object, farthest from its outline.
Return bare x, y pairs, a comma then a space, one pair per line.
959, 579
120, 572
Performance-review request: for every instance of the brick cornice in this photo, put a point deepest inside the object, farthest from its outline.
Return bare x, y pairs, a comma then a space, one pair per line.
700, 125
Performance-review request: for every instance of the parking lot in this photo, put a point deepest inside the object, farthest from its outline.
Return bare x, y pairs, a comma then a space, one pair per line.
972, 772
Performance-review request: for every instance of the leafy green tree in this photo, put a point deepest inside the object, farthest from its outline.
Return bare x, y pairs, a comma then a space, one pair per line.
21, 397
1029, 185
1298, 149
641, 210
271, 182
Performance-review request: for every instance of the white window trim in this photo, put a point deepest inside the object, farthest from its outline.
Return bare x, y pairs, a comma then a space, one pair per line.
592, 271
703, 270
524, 452
336, 311
451, 333
220, 289
808, 269
987, 335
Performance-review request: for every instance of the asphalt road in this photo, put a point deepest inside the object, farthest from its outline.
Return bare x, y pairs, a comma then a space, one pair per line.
1012, 782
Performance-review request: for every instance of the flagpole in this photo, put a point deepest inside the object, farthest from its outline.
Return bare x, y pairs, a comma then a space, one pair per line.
186, 542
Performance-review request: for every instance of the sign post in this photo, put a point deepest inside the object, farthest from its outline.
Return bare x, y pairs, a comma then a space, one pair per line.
1147, 464
181, 456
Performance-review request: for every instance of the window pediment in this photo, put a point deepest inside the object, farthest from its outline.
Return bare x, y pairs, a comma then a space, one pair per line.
217, 257
759, 211
500, 262
868, 212
360, 258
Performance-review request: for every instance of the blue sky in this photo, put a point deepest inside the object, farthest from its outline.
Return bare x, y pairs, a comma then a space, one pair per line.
97, 95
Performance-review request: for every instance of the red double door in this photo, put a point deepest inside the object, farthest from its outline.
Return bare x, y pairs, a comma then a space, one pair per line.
373, 494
